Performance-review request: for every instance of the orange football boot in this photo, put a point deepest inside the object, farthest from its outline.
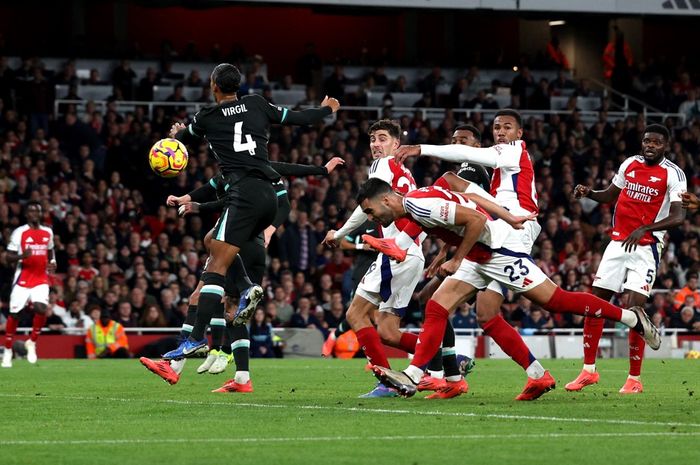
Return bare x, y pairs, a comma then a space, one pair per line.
536, 387
161, 368
583, 379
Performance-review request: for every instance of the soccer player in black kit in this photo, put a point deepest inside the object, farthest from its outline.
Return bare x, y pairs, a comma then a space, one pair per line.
237, 132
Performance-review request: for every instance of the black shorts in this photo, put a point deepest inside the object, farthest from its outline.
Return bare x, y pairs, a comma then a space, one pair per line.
251, 207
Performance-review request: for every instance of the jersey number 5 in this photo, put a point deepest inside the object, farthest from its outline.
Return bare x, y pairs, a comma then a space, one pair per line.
239, 146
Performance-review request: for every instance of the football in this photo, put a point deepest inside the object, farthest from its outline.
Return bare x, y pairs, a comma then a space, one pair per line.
168, 157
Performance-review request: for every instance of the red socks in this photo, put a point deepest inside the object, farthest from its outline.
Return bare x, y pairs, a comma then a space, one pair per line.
37, 323
637, 346
408, 342
508, 339
372, 346
10, 329
582, 303
431, 336
592, 332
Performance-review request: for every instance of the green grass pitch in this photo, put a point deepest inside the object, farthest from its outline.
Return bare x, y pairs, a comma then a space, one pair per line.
306, 411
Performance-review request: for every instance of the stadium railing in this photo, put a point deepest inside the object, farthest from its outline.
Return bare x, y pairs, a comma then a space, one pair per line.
376, 112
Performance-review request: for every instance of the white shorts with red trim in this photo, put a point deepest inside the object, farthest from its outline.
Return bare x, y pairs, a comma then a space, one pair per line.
389, 284
514, 270
632, 271
20, 296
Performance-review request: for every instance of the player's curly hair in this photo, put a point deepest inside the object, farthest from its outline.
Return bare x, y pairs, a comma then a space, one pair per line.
392, 127
227, 78
658, 129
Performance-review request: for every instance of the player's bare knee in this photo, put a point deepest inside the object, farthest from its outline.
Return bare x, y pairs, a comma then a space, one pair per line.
389, 335
40, 308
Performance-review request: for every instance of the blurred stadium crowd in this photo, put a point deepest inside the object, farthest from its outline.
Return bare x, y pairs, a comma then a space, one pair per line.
119, 247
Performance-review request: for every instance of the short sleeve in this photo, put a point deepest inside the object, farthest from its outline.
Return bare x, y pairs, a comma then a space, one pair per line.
508, 155
50, 245
677, 184
431, 212
380, 169
15, 241
619, 178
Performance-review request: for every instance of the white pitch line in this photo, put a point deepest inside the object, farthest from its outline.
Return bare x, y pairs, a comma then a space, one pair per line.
79, 442
499, 416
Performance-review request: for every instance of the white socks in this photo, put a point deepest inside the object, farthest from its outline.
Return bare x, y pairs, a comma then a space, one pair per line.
178, 365
629, 318
589, 368
242, 377
535, 370
414, 373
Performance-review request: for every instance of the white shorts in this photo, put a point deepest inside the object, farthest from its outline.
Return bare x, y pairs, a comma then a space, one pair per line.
516, 272
633, 271
389, 284
522, 239
21, 295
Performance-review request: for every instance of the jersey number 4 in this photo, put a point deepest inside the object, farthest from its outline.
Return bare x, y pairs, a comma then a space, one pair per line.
238, 146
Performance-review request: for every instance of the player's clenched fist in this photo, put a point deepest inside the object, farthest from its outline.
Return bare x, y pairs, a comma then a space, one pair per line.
581, 191
331, 102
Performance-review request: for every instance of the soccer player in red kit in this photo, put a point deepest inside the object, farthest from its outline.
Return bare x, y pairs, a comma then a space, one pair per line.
513, 186
647, 190
458, 219
31, 246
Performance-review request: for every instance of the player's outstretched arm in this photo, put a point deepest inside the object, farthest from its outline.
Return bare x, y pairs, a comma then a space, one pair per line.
293, 169
457, 153
495, 210
607, 195
356, 219
310, 115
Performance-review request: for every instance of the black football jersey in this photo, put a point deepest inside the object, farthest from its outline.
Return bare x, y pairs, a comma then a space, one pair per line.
238, 133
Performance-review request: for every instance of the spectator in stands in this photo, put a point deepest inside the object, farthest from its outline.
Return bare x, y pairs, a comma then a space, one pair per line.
298, 244
334, 85
310, 98
153, 318
176, 97
106, 339
76, 317
688, 318
690, 290
284, 308
54, 323
94, 79
399, 85
123, 78
125, 316
561, 84
194, 79
537, 320
465, 318
303, 317
145, 89
379, 76
691, 106
430, 83
522, 86
261, 345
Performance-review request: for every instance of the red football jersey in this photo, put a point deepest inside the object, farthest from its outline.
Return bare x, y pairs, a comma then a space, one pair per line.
647, 193
31, 271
